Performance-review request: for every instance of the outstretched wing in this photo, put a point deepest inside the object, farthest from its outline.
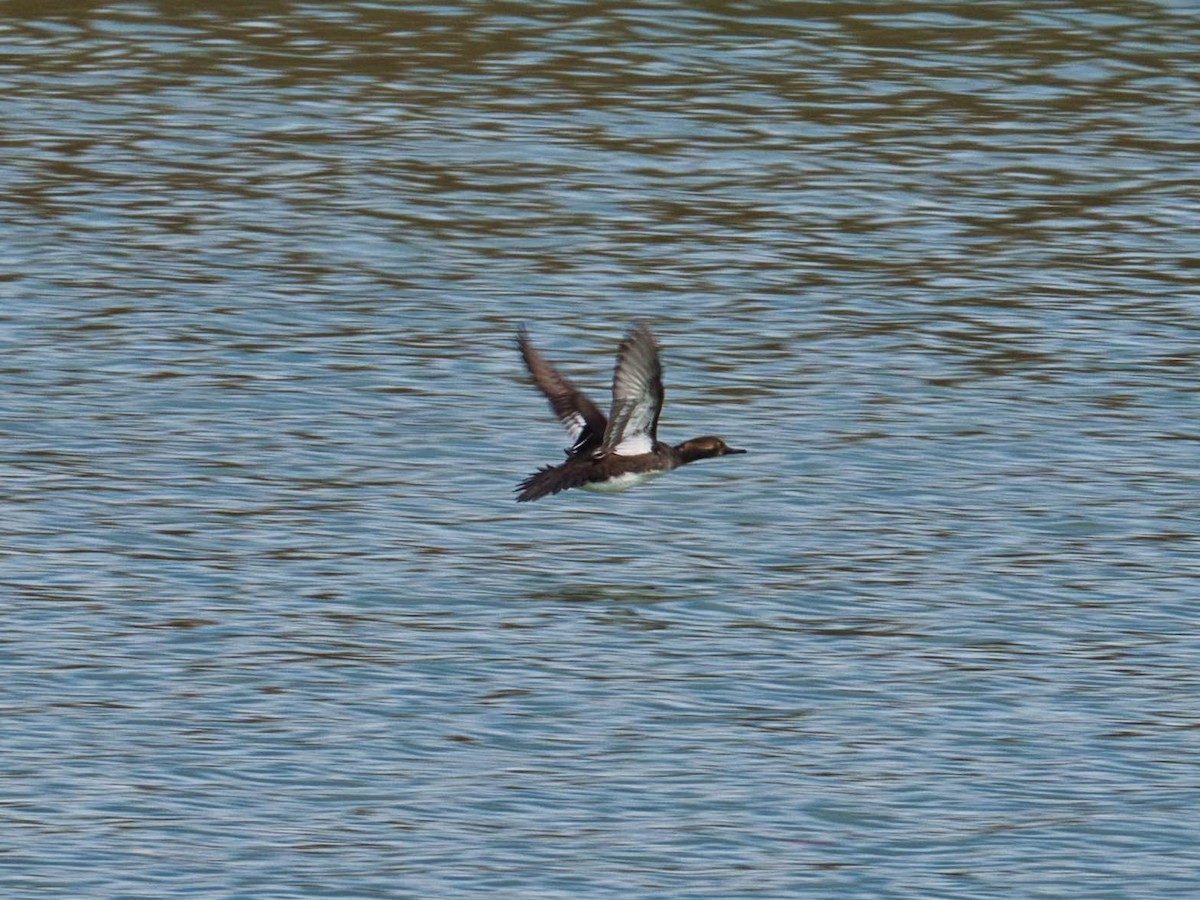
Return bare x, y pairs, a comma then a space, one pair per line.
579, 415
637, 396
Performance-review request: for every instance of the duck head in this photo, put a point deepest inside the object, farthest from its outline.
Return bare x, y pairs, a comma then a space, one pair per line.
704, 447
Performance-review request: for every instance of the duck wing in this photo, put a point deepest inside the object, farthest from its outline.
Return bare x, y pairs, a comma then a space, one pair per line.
637, 396
579, 415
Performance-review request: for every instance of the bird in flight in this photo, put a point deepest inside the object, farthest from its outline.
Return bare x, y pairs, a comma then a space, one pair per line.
615, 453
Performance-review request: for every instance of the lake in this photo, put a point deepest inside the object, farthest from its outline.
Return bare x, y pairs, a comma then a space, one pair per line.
272, 624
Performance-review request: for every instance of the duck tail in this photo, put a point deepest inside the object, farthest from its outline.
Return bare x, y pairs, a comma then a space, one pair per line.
545, 481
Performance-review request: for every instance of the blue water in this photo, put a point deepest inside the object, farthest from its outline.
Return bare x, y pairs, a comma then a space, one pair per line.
272, 624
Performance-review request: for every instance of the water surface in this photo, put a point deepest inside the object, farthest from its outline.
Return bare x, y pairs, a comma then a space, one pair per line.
272, 624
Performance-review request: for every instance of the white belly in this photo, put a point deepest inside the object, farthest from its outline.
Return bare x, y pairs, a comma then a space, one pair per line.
620, 483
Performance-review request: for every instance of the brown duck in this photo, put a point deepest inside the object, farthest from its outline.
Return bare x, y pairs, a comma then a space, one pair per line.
616, 453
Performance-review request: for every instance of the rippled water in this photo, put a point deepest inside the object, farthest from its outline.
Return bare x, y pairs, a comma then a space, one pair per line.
272, 624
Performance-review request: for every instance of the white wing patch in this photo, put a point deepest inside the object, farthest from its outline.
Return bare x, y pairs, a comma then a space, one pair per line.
634, 444
575, 423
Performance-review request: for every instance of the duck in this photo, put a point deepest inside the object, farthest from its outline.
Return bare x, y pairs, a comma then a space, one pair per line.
612, 454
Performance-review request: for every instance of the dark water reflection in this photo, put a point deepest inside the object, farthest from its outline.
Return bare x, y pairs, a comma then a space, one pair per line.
272, 624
